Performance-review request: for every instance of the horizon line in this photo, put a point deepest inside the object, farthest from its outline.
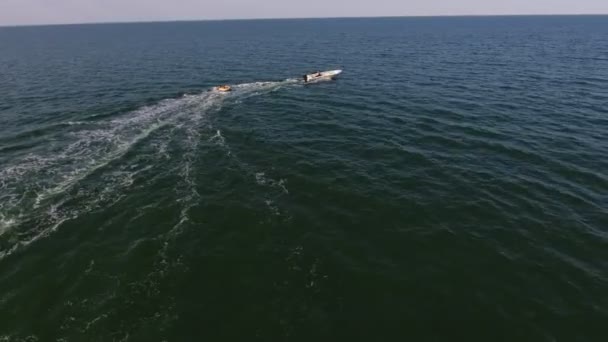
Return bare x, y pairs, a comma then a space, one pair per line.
302, 18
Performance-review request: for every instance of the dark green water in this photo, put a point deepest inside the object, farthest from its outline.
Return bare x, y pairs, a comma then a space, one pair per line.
451, 185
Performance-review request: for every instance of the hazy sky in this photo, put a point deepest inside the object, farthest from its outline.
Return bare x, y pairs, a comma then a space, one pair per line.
24, 12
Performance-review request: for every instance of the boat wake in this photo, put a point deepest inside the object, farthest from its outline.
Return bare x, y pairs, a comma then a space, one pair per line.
90, 166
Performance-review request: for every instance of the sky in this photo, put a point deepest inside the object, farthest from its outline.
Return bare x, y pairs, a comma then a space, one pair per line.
36, 12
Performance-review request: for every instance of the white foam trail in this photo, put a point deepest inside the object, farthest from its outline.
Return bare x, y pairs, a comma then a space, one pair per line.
34, 190
31, 184
247, 90
257, 86
78, 174
189, 196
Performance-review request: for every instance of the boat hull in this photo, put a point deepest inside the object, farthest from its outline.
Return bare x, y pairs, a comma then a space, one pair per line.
321, 76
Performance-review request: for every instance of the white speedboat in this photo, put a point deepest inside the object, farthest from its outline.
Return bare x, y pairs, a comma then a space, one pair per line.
322, 75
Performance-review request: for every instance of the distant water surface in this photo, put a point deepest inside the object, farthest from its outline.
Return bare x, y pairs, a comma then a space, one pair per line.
451, 185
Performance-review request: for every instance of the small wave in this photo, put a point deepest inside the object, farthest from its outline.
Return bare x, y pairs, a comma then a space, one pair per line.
5, 224
75, 123
274, 210
12, 338
261, 179
219, 138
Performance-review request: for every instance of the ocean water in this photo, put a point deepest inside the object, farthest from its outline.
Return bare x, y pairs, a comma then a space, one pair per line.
452, 184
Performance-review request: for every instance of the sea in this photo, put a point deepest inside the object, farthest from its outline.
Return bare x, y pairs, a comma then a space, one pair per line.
450, 185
